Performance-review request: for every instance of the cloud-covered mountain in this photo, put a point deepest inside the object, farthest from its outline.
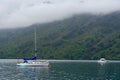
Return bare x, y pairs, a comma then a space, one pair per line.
20, 13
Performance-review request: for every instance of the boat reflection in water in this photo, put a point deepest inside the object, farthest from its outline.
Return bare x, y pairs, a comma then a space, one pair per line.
33, 73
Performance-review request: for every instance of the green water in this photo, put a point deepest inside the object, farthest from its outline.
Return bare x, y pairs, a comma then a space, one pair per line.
65, 70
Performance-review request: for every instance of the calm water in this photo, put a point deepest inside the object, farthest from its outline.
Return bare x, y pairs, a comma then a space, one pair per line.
61, 70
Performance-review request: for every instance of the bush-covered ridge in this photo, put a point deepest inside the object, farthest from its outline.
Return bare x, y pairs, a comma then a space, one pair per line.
80, 37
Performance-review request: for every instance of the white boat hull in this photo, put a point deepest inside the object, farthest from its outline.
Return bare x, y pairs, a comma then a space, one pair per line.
103, 60
39, 64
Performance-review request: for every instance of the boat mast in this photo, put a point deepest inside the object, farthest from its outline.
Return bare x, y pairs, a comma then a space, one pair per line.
35, 42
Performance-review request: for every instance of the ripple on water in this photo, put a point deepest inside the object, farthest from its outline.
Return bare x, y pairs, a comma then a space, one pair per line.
62, 71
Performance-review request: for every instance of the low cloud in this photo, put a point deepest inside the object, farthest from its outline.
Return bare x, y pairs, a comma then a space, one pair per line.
20, 13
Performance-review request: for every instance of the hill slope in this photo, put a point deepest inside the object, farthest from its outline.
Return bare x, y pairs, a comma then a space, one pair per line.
80, 37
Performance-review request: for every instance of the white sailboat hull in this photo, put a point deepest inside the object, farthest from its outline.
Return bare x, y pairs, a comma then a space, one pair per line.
34, 63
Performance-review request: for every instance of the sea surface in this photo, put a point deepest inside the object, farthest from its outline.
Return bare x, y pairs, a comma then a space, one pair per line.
61, 70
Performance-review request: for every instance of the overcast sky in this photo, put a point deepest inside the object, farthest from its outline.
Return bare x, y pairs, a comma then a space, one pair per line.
20, 13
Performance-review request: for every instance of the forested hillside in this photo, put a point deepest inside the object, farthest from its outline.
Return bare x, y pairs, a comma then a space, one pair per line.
84, 36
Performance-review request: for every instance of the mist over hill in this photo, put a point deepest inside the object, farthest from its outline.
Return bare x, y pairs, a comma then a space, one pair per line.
22, 13
84, 36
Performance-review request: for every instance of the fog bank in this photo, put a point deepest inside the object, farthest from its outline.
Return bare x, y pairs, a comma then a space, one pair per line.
20, 13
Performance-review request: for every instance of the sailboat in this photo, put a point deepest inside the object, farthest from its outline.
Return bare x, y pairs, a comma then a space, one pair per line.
33, 61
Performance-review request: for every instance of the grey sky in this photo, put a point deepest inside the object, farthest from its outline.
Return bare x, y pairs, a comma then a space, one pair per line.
20, 13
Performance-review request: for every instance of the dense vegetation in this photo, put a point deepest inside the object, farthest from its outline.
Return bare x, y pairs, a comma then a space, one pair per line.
83, 36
